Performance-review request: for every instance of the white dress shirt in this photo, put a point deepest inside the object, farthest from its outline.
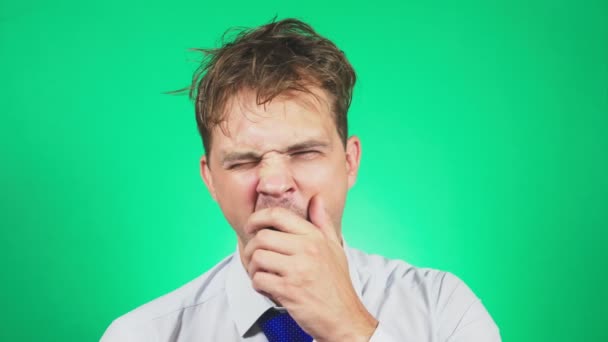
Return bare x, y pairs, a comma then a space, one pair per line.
411, 304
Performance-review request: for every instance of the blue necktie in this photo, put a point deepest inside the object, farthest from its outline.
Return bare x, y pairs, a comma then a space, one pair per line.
280, 327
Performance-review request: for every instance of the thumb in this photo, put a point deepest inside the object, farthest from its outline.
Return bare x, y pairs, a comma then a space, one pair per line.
320, 218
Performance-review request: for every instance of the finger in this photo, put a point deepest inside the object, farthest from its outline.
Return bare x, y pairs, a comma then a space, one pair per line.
272, 240
320, 218
267, 261
278, 218
268, 284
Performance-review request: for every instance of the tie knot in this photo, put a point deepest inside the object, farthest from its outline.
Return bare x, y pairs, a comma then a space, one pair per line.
278, 326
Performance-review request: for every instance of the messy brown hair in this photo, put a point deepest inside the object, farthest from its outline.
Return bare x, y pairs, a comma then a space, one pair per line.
282, 56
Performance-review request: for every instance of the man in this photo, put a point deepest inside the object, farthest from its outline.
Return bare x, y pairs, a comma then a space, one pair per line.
271, 109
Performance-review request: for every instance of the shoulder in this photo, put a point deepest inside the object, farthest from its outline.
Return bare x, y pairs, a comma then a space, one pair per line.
395, 288
395, 272
133, 325
435, 288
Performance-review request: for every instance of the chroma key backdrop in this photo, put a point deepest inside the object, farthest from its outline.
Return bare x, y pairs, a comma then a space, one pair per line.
484, 127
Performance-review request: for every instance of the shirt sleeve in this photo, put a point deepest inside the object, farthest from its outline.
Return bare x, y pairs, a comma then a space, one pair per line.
460, 315
122, 331
115, 334
381, 334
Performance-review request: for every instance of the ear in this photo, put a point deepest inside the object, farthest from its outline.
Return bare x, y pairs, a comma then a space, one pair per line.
353, 158
206, 175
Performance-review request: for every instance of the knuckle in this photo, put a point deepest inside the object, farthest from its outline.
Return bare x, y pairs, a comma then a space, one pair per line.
251, 247
312, 249
318, 236
282, 287
256, 281
300, 269
263, 235
256, 256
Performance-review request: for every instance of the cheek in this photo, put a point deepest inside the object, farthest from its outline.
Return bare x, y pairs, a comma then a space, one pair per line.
327, 178
322, 172
236, 197
331, 183
317, 176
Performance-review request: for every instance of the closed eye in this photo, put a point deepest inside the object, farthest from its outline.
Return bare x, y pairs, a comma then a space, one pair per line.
242, 165
306, 154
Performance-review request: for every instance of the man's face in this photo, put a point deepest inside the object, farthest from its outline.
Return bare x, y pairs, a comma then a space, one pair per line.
279, 155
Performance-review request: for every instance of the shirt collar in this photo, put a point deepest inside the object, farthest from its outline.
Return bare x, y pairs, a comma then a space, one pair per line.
246, 305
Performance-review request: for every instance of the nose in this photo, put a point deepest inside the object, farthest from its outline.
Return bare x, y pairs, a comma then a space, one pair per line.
275, 178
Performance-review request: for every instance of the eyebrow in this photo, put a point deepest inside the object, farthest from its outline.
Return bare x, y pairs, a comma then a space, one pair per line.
250, 155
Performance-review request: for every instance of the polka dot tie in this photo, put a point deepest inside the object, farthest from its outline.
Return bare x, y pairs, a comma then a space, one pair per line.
280, 327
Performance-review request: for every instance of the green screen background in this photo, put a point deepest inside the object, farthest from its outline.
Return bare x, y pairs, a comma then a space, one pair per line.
484, 132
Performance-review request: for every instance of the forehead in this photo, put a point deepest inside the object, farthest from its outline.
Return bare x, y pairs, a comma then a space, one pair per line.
289, 118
